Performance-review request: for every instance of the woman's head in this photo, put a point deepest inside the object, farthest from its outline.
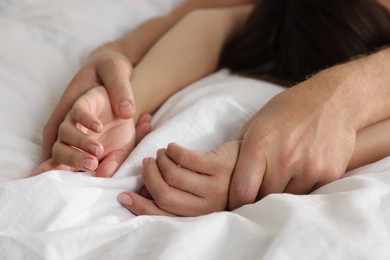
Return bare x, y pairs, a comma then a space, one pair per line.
285, 41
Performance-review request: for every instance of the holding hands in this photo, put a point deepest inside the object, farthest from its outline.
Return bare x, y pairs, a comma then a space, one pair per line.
302, 139
104, 67
294, 147
178, 182
184, 182
92, 133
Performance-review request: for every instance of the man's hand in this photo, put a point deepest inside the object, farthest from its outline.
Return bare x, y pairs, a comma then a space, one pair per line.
300, 140
107, 68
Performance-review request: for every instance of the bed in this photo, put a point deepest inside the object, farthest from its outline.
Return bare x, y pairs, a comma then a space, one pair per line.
63, 215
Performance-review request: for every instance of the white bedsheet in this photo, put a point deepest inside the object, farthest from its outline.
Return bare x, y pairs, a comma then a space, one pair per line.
62, 215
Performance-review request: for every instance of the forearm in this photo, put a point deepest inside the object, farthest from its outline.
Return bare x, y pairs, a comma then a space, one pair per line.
361, 88
372, 144
136, 43
186, 53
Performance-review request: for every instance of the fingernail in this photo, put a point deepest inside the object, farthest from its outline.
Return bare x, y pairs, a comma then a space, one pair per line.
96, 127
87, 164
126, 107
125, 199
93, 148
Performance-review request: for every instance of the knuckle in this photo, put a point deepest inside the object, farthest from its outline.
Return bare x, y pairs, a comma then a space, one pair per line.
182, 157
324, 172
163, 200
116, 62
288, 159
170, 178
222, 168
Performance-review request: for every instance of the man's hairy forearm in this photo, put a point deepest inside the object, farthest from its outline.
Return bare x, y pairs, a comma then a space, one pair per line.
363, 88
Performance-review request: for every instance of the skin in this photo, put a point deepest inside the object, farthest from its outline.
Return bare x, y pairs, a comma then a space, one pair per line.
180, 181
191, 34
111, 66
180, 191
312, 144
76, 137
307, 148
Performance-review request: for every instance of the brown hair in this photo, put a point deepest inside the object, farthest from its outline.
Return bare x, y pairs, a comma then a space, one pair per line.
285, 41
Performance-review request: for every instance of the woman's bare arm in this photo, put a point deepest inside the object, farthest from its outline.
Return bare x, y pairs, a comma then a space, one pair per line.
135, 44
189, 51
111, 64
372, 144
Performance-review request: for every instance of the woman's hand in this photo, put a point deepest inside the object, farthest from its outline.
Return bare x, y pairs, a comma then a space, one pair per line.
184, 182
105, 67
92, 137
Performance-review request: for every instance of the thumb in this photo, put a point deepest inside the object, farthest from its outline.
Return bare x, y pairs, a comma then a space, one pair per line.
248, 175
115, 76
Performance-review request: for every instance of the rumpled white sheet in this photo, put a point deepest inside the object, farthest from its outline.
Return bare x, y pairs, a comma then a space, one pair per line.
62, 215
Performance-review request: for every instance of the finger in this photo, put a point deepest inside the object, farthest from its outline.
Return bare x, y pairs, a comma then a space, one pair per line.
111, 163
192, 160
273, 182
247, 176
139, 205
168, 198
81, 113
182, 178
65, 154
143, 127
49, 165
83, 81
298, 187
69, 134
145, 118
115, 76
